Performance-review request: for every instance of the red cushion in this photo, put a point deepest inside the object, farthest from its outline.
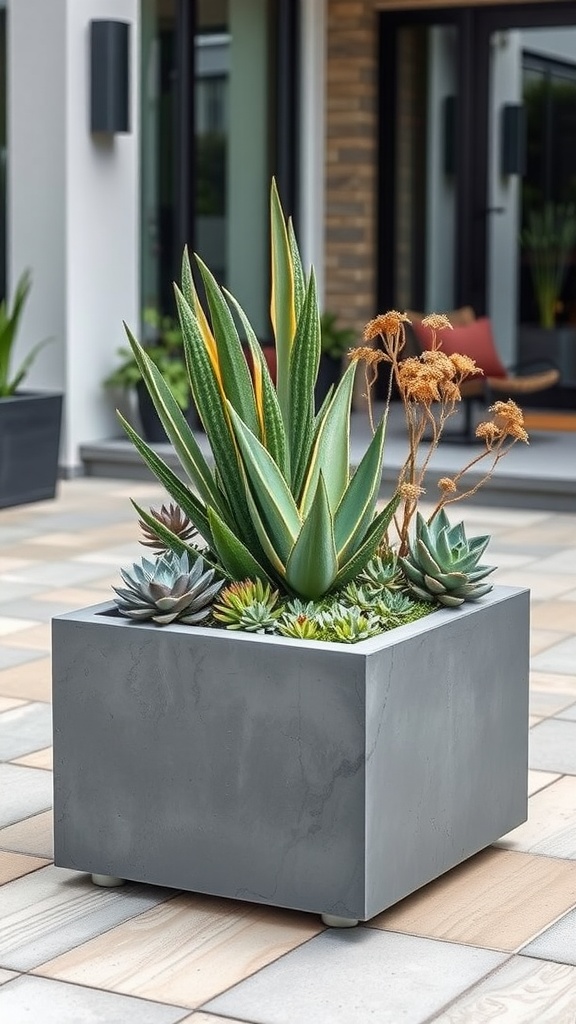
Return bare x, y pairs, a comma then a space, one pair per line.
475, 340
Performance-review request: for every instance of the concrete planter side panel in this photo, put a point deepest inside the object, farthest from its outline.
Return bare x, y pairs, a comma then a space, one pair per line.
310, 776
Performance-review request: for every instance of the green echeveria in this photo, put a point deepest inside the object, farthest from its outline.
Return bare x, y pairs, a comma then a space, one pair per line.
442, 564
167, 589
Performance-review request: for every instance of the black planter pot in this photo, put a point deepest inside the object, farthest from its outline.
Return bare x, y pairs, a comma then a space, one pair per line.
329, 373
30, 441
152, 428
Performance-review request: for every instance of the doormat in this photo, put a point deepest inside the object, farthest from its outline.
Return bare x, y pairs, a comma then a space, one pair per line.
537, 420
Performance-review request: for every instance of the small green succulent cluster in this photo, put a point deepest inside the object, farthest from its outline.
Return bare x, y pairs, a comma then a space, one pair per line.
250, 605
442, 564
170, 588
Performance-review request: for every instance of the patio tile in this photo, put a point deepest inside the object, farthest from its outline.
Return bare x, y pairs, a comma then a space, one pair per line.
483, 901
32, 835
563, 561
7, 976
561, 657
533, 720
553, 746
14, 865
7, 703
542, 639
523, 991
16, 591
39, 1001
32, 680
568, 714
36, 638
556, 943
198, 947
39, 607
44, 759
24, 791
542, 586
553, 682
545, 703
9, 625
12, 656
554, 615
209, 1018
25, 729
57, 574
536, 780
54, 910
74, 597
356, 975
551, 825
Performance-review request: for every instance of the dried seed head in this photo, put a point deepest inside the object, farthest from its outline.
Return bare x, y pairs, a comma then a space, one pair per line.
447, 485
386, 323
436, 321
410, 492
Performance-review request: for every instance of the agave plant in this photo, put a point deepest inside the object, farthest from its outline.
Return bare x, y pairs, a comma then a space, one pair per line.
172, 587
442, 564
280, 504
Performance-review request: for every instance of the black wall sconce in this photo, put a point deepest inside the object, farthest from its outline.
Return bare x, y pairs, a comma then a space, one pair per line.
109, 77
513, 151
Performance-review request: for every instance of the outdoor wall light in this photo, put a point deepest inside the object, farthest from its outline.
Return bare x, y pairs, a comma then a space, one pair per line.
513, 149
109, 77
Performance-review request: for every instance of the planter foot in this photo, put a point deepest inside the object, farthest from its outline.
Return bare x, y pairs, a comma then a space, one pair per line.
339, 922
107, 881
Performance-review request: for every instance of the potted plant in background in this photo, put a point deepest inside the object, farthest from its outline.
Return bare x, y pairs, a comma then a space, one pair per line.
297, 708
29, 420
165, 348
334, 344
549, 240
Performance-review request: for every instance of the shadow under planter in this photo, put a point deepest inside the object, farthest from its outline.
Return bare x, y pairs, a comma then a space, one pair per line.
29, 445
322, 777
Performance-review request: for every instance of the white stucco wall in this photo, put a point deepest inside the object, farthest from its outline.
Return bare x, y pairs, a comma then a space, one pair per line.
73, 203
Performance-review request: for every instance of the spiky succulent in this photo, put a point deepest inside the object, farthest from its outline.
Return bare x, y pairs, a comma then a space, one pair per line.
300, 627
382, 571
349, 625
442, 564
167, 589
250, 605
172, 518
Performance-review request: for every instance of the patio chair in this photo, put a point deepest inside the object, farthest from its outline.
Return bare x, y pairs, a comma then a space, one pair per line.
473, 337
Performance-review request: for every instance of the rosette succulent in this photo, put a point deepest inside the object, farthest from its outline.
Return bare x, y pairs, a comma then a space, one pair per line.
170, 588
280, 504
443, 565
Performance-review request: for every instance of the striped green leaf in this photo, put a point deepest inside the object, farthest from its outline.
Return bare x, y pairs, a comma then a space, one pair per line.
367, 548
282, 305
304, 362
234, 556
178, 430
356, 509
313, 563
236, 378
269, 489
299, 277
331, 450
188, 502
272, 432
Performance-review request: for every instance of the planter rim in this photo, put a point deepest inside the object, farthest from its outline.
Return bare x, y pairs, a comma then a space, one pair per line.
439, 617
19, 395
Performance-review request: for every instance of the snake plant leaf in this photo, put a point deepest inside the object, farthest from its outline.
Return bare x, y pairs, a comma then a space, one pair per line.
178, 429
234, 370
313, 563
182, 495
269, 488
299, 278
356, 510
282, 303
331, 451
272, 432
304, 363
367, 549
233, 555
207, 394
276, 563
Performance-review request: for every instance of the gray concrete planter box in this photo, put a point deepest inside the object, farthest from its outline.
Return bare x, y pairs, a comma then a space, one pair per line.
29, 444
328, 778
